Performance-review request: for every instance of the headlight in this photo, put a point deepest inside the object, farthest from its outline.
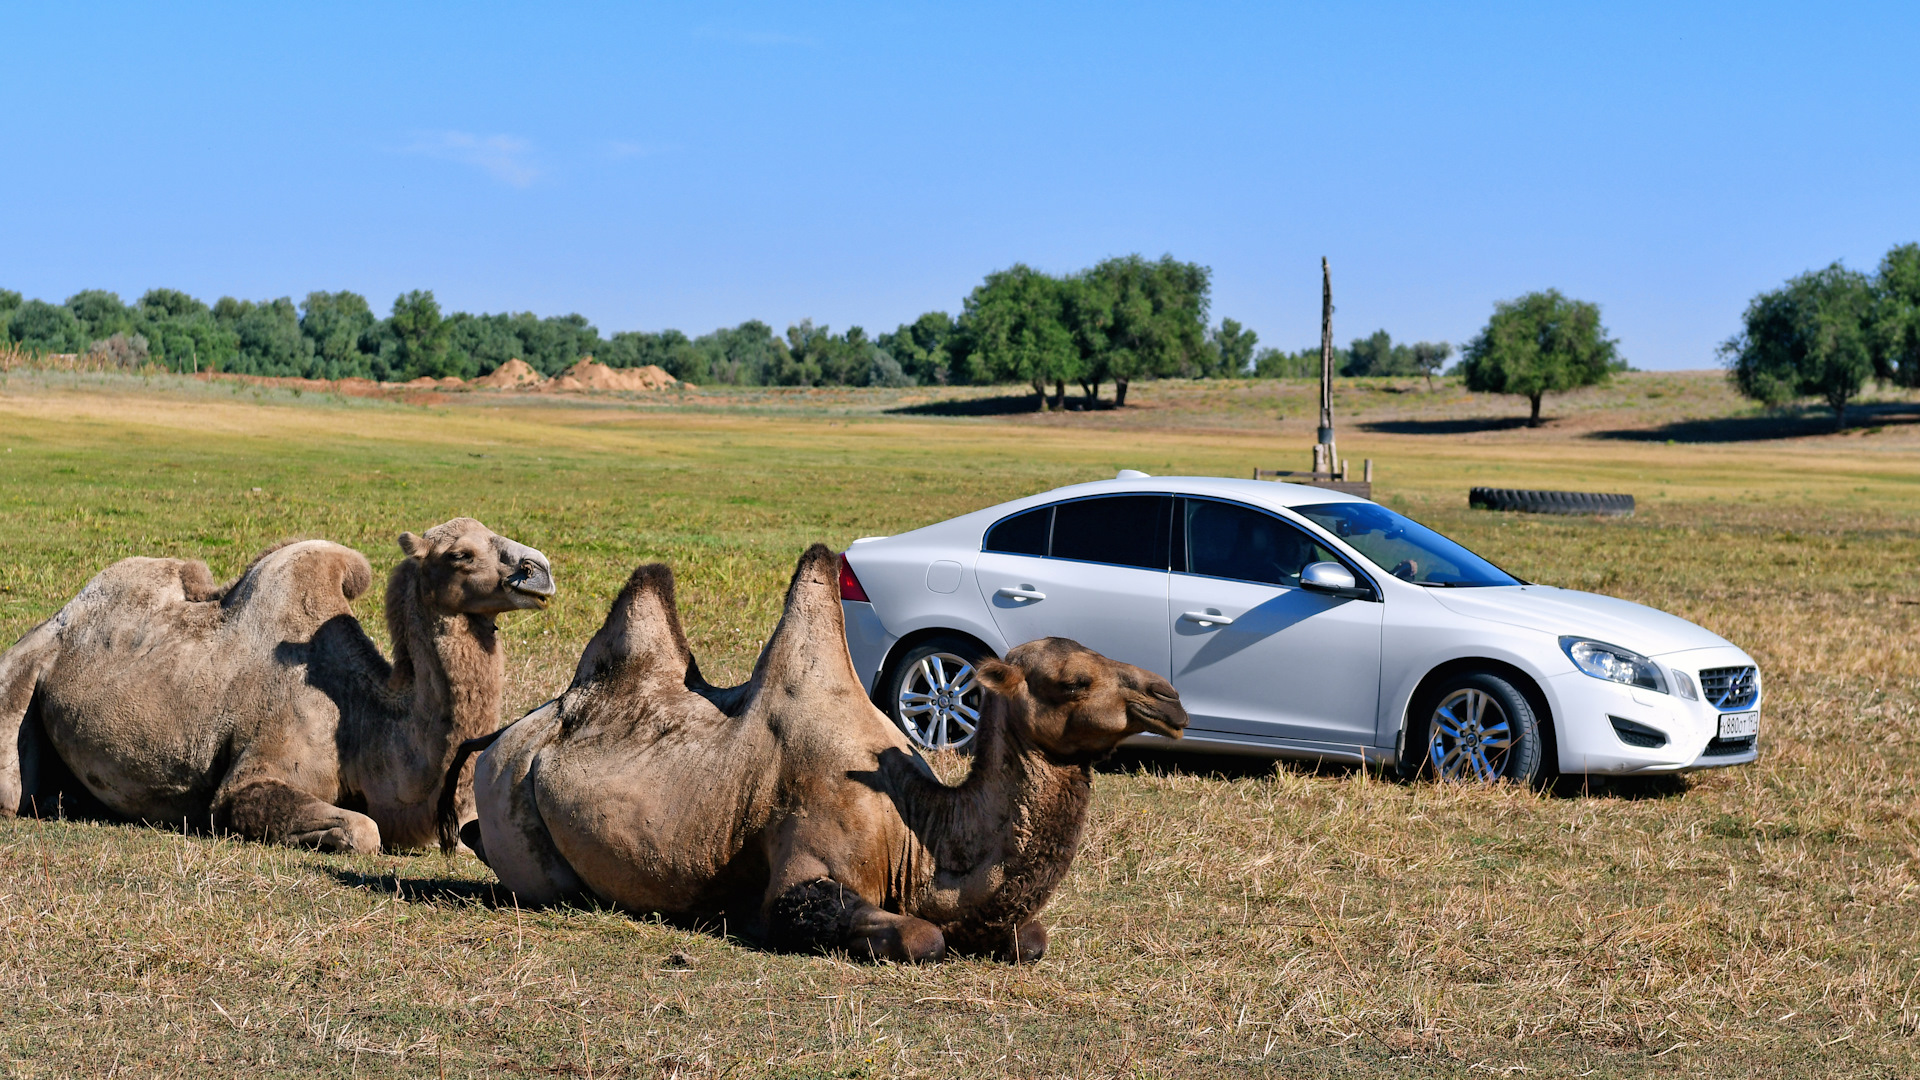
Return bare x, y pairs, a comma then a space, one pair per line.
1613, 663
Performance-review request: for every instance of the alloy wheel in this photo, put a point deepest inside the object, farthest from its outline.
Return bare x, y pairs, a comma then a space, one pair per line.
940, 701
1471, 737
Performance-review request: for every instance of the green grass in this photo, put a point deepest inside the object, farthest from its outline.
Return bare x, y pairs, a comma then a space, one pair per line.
1219, 920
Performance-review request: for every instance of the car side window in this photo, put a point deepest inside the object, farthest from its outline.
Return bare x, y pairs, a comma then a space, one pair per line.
1124, 530
1021, 534
1228, 541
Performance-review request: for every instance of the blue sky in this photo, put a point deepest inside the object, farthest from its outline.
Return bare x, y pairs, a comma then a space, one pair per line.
697, 165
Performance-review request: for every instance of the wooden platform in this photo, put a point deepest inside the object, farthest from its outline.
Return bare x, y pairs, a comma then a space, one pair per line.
1313, 479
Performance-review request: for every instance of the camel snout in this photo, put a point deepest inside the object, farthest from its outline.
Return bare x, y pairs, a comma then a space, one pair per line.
1159, 710
532, 577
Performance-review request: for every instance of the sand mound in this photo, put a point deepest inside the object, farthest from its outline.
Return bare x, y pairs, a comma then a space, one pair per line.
511, 375
591, 374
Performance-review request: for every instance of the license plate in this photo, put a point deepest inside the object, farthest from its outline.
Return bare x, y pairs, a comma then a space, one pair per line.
1740, 725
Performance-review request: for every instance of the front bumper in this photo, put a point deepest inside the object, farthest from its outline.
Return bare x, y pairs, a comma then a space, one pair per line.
1590, 744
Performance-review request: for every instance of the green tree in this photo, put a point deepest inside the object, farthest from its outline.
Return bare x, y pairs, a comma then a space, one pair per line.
1896, 317
1810, 338
1428, 357
1015, 322
342, 328
1158, 325
931, 349
269, 337
1538, 344
419, 337
1234, 344
51, 328
183, 334
101, 314
1280, 364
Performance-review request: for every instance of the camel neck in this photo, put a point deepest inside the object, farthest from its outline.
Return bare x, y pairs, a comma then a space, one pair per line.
1018, 812
448, 668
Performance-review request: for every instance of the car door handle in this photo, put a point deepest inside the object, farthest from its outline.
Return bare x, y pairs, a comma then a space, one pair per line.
1205, 618
1012, 593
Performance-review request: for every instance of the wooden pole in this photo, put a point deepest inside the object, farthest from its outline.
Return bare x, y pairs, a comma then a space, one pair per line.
1325, 436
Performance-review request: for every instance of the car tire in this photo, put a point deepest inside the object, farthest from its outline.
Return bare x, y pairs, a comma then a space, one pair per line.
1550, 502
932, 694
1474, 726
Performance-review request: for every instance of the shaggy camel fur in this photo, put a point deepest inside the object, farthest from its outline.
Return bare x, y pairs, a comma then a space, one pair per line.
261, 707
790, 809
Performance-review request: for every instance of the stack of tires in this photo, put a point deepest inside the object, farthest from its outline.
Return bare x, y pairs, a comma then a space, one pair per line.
1550, 502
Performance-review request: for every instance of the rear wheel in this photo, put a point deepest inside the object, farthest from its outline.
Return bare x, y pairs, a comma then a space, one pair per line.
933, 695
1477, 726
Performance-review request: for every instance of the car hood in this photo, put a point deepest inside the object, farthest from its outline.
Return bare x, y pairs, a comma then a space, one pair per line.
1583, 614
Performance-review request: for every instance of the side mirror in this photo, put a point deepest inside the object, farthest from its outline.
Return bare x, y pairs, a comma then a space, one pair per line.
1333, 579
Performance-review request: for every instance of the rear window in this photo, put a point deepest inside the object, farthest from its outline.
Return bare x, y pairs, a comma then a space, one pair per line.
1125, 530
1022, 534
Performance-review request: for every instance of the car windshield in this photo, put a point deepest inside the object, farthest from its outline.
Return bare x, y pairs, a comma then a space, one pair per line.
1403, 547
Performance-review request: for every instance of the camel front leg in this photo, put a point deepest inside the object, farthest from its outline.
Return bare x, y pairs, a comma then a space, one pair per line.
24, 781
822, 915
276, 812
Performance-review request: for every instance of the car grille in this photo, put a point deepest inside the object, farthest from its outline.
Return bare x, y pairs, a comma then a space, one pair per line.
1719, 747
1730, 687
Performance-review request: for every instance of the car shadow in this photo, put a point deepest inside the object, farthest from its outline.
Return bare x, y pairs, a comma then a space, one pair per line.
1224, 766
1791, 423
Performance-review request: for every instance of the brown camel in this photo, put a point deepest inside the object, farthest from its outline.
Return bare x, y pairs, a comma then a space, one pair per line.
260, 707
789, 809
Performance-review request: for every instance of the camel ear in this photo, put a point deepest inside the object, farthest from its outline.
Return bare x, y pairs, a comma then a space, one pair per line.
414, 546
1000, 677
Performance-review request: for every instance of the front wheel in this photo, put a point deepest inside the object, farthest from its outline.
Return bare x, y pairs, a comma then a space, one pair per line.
1477, 727
933, 695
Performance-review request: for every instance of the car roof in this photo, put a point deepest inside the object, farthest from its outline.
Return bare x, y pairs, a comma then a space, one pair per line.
1261, 492
1264, 493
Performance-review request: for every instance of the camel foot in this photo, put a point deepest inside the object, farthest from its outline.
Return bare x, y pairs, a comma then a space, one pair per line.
823, 915
273, 811
1029, 944
470, 838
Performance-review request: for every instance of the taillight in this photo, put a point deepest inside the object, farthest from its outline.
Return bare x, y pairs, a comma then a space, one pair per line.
849, 585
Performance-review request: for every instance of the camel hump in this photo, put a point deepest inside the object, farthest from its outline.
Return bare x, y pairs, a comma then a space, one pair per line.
809, 647
642, 634
317, 576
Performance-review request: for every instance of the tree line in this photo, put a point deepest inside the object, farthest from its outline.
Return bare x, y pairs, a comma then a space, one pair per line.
1826, 332
1122, 320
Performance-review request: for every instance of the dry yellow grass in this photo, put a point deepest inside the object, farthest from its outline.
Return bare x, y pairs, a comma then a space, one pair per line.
1222, 918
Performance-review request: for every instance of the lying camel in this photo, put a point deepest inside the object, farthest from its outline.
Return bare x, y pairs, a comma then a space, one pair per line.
260, 707
789, 809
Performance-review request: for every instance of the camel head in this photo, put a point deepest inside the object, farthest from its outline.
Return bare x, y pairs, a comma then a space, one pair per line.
1076, 703
466, 568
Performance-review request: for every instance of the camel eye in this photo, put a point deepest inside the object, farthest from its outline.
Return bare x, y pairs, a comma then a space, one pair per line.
462, 557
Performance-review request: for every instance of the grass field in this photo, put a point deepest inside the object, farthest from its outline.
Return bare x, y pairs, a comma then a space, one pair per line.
1220, 920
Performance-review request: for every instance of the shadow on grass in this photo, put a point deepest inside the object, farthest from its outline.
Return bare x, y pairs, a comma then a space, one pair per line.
1244, 767
1455, 426
424, 890
1002, 405
1791, 423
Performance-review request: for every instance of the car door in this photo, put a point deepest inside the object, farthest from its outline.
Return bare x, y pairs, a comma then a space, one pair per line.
1094, 570
1253, 653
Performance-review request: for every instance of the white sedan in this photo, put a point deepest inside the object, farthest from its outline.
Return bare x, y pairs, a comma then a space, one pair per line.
1300, 622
